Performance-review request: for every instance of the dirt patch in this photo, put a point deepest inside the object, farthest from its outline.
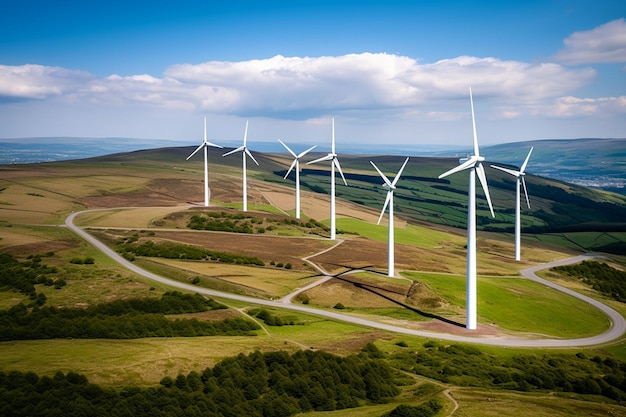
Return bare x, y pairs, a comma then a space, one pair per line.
39, 248
266, 248
364, 253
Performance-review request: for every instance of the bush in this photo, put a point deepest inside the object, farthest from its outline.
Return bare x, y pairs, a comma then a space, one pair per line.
339, 306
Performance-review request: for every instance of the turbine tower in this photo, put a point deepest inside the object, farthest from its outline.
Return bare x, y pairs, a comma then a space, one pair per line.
205, 145
296, 164
391, 186
244, 151
334, 162
519, 178
475, 166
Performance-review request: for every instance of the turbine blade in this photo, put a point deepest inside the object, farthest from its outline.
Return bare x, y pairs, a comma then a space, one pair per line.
526, 192
245, 135
204, 129
250, 155
301, 154
508, 171
322, 159
336, 162
476, 151
395, 180
293, 164
480, 170
383, 176
467, 164
239, 149
287, 147
196, 151
382, 212
213, 145
523, 168
332, 138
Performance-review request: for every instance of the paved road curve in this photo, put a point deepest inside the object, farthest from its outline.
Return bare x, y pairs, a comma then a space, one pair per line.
618, 324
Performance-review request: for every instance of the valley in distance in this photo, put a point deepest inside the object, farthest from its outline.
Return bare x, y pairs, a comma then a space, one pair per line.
79, 323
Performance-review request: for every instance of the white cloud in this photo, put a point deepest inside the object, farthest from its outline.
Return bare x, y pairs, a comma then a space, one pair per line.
573, 106
371, 88
38, 81
603, 44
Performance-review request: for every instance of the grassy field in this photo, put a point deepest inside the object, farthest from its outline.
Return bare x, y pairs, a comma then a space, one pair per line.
35, 201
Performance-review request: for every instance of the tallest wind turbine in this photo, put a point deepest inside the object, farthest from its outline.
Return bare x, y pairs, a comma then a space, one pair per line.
474, 164
519, 176
205, 145
334, 162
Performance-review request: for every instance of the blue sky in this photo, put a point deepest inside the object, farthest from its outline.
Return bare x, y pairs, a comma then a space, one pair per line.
388, 71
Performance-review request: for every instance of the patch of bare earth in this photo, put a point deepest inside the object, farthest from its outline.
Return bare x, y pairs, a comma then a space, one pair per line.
158, 192
364, 253
266, 248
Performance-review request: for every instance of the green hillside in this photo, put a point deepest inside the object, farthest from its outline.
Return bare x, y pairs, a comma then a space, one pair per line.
567, 210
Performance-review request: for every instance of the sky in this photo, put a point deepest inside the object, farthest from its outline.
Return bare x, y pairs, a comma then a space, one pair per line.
389, 72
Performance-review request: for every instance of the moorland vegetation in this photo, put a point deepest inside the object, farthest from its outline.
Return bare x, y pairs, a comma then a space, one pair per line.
51, 297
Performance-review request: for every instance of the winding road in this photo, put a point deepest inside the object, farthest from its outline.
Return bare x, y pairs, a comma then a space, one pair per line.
616, 330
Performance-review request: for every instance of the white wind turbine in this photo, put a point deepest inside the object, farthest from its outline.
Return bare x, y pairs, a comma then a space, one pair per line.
519, 176
391, 186
244, 151
332, 156
474, 164
205, 145
296, 164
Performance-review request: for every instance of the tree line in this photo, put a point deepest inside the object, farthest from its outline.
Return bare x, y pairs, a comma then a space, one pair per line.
273, 384
120, 319
598, 275
170, 250
465, 365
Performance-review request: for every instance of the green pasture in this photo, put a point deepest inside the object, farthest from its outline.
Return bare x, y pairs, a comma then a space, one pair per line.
409, 234
144, 362
272, 281
521, 305
490, 403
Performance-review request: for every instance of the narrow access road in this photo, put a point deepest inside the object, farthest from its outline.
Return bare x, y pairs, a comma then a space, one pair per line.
617, 329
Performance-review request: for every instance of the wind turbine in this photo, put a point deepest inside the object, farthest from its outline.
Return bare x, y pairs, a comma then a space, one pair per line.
205, 145
519, 176
334, 162
296, 164
474, 164
244, 151
391, 186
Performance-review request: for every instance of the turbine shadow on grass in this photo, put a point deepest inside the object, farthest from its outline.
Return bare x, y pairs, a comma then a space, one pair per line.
376, 290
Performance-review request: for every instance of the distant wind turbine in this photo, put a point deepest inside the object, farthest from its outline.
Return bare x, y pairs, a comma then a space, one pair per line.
474, 164
296, 164
391, 186
205, 145
244, 151
519, 177
332, 156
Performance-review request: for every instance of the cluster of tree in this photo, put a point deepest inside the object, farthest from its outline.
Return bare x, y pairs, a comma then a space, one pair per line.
23, 276
273, 384
270, 319
429, 409
602, 277
222, 222
121, 319
241, 223
171, 250
468, 366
